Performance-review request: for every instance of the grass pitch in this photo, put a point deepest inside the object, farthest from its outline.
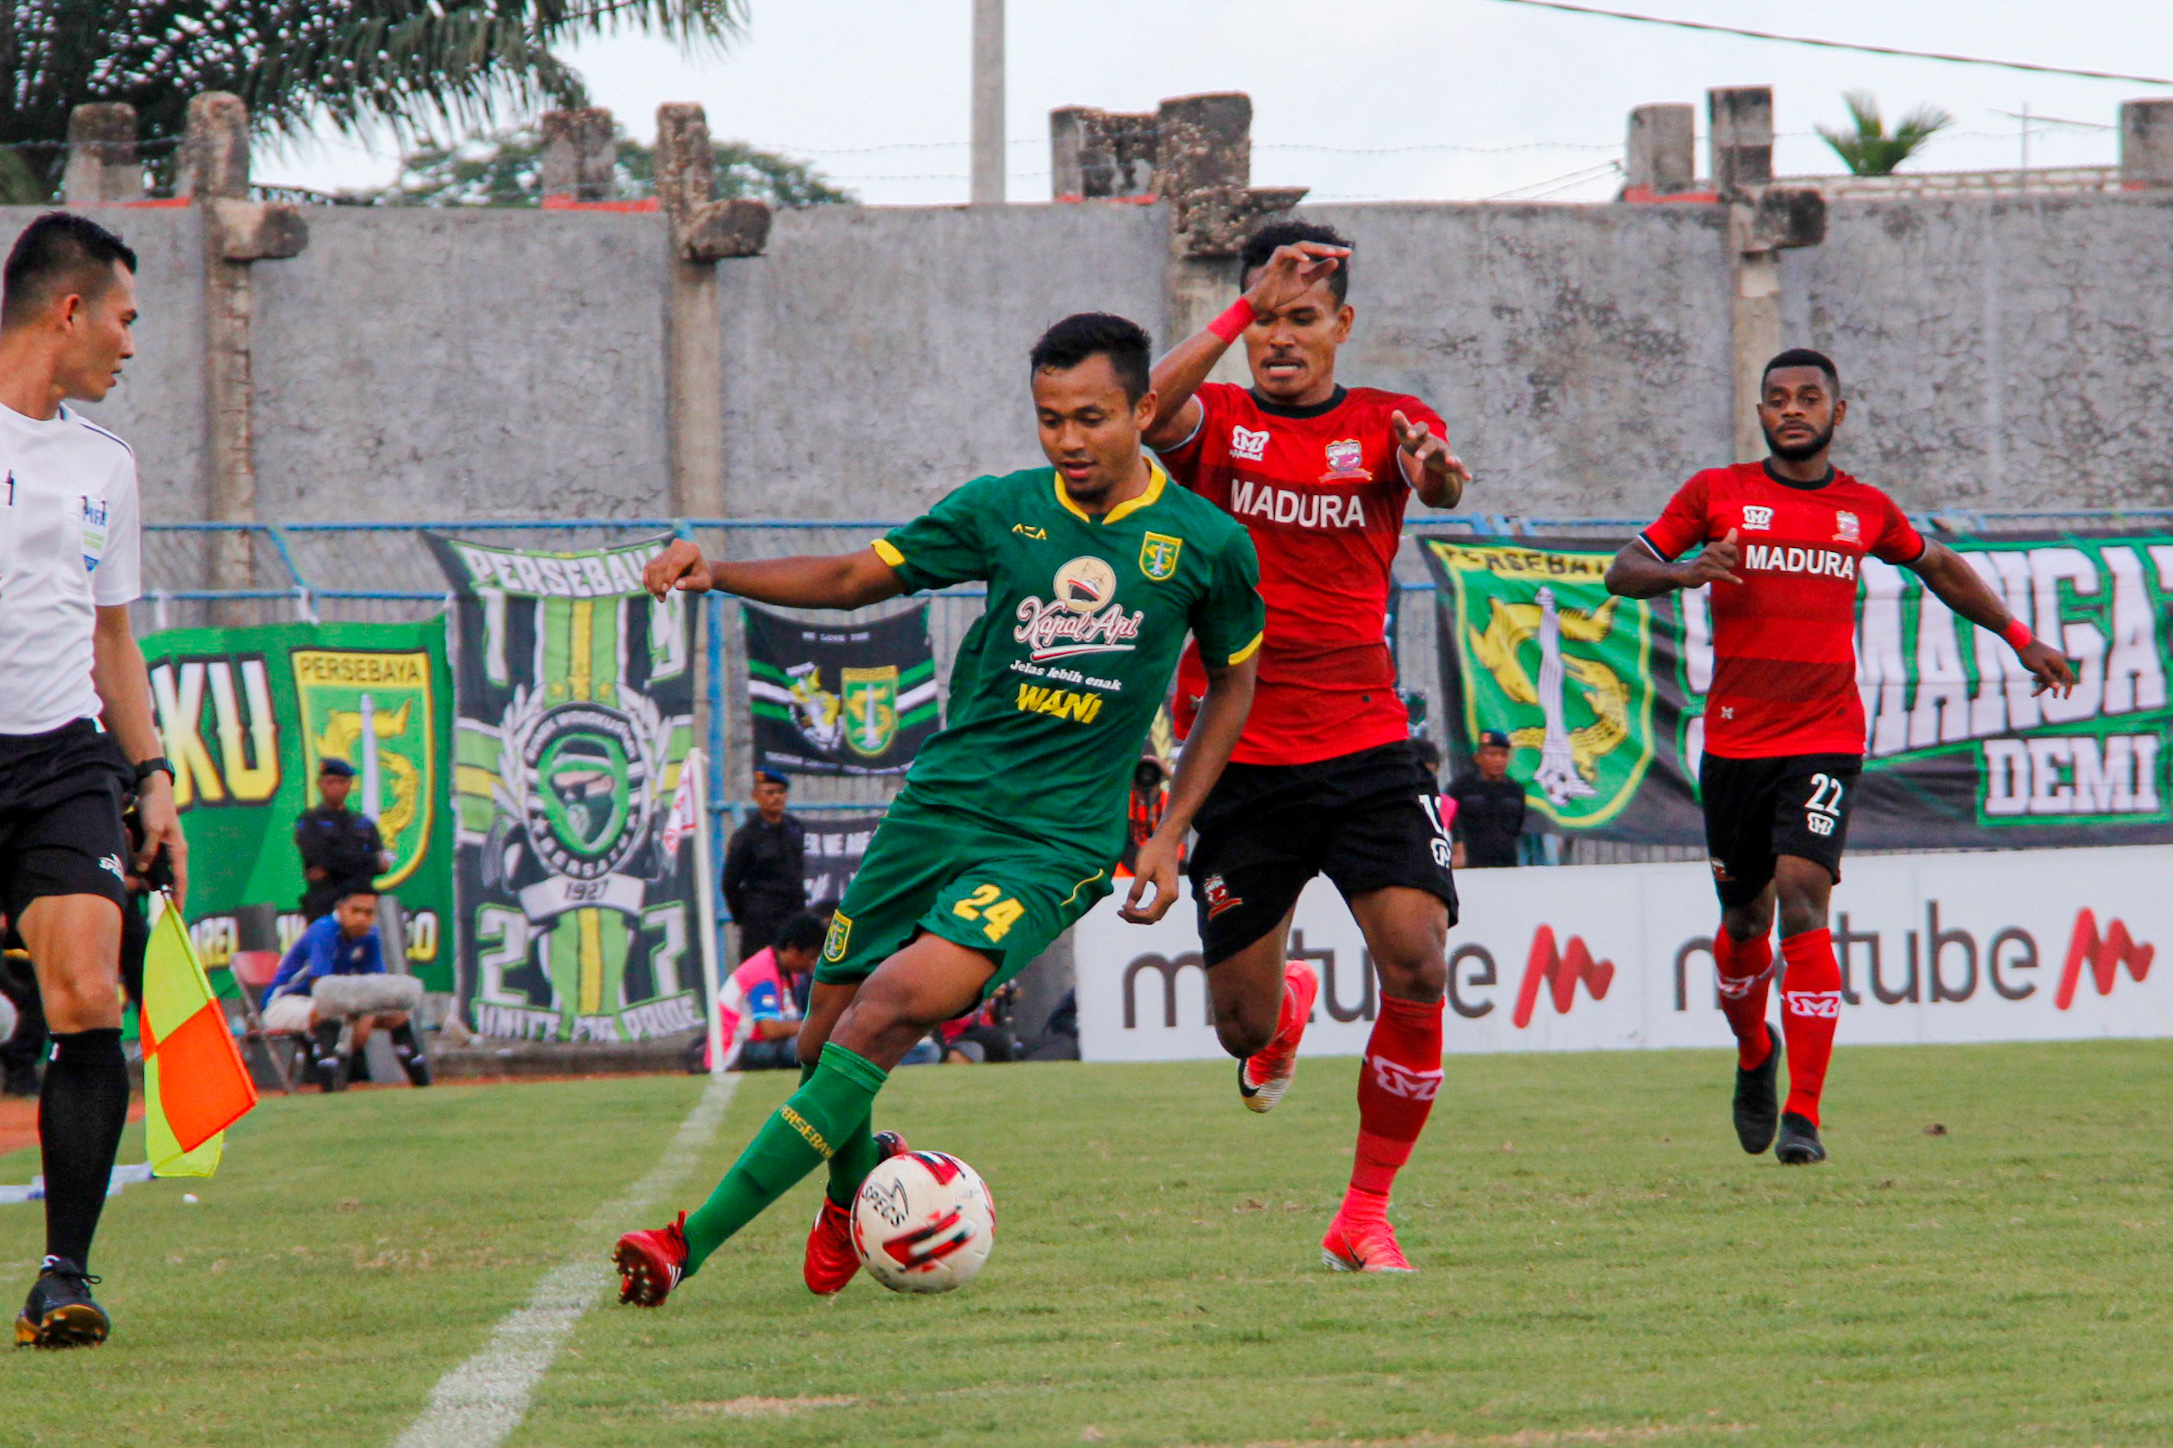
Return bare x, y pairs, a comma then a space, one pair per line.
1599, 1264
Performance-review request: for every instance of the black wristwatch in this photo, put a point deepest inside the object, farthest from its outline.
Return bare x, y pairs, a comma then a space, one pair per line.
156, 763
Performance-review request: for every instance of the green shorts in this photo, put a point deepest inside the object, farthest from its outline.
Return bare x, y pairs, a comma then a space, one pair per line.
986, 889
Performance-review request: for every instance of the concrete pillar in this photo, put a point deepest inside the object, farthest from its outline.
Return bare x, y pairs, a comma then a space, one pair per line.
694, 328
1760, 228
1097, 155
237, 233
1741, 119
580, 152
2146, 143
102, 164
215, 153
1662, 151
988, 103
1203, 167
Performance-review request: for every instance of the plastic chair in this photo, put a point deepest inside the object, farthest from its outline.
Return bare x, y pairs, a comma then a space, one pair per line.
253, 971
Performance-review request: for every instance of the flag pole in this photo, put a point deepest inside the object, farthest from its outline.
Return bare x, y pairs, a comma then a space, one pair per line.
705, 905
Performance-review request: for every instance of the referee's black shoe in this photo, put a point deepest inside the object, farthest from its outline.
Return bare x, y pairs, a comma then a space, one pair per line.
1799, 1144
60, 1311
1757, 1108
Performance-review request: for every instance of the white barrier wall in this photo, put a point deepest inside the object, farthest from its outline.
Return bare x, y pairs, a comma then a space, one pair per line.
1997, 946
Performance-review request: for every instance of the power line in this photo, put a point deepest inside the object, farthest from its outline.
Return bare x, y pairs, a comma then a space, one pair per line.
1738, 30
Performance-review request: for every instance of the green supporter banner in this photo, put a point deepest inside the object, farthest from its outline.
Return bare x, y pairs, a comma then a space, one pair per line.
1603, 697
575, 697
840, 697
248, 714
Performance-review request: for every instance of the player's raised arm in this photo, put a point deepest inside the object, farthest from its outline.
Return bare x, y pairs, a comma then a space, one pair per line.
1638, 572
1435, 473
1283, 283
841, 580
1962, 589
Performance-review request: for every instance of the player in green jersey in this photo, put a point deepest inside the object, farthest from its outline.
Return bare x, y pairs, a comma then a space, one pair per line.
1011, 818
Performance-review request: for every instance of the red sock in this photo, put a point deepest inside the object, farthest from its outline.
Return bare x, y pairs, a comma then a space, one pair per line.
1397, 1083
1746, 970
1290, 1025
1810, 1009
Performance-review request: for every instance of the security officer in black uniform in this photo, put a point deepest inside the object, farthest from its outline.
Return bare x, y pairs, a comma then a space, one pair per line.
341, 850
1489, 808
765, 866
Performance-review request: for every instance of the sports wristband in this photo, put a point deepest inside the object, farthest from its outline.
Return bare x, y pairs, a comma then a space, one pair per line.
1234, 320
155, 764
2018, 635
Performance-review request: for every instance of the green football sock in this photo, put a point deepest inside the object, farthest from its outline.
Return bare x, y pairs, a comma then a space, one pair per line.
833, 1107
854, 1160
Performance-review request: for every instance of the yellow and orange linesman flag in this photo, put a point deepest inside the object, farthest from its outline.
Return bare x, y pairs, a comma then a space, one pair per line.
194, 1083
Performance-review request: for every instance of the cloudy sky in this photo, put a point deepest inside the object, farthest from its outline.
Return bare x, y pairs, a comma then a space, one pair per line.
1357, 99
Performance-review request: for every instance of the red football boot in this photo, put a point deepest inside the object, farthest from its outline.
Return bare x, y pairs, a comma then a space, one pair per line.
651, 1263
1362, 1242
831, 1260
1264, 1076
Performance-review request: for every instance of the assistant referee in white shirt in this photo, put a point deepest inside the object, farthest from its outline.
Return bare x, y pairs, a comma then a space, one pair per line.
76, 731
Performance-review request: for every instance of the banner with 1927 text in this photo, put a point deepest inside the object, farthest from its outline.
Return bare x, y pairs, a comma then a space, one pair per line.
575, 697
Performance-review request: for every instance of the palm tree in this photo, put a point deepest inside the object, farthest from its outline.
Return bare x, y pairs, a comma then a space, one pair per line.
1868, 150
455, 64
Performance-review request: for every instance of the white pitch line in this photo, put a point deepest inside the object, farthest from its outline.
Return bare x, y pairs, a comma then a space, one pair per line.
481, 1402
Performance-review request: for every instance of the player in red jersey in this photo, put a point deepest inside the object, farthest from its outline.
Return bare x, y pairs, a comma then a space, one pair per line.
1323, 780
1782, 544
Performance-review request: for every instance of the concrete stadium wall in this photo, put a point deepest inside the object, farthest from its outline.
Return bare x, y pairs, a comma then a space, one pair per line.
2001, 352
1579, 354
875, 358
2012, 352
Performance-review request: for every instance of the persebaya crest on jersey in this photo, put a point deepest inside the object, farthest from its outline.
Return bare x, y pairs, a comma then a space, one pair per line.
1158, 554
1564, 669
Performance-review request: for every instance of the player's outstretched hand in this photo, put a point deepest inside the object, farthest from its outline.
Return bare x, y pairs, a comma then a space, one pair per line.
1422, 451
1715, 563
680, 566
1291, 273
2052, 669
1156, 867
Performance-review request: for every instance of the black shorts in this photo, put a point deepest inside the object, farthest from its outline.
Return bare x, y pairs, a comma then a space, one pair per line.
60, 816
1759, 809
1367, 821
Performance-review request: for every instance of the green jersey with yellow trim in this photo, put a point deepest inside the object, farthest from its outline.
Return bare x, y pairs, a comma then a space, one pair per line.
1056, 685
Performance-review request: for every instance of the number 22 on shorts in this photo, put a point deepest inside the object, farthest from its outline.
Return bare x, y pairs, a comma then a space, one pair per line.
1823, 808
997, 915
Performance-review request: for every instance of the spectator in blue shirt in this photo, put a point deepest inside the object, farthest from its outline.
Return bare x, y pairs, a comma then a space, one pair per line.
345, 942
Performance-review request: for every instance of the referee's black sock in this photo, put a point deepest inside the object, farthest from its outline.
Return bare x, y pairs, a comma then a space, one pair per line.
81, 1111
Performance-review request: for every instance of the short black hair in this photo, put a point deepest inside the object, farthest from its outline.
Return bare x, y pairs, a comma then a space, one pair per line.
1805, 357
1097, 334
804, 931
56, 254
1263, 244
353, 890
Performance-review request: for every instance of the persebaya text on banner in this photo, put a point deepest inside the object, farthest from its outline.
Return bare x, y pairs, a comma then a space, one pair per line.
247, 715
575, 697
840, 698
1602, 696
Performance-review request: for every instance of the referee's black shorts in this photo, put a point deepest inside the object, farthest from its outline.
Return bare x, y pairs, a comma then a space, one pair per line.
1367, 821
61, 795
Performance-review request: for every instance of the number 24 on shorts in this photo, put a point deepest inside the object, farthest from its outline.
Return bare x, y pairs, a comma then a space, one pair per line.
997, 915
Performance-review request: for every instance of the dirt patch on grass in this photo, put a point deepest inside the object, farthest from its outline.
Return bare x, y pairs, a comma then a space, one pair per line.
758, 1407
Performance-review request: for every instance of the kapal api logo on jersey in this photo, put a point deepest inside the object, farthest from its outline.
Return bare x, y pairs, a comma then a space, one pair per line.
1247, 445
1158, 554
1081, 617
1346, 460
1756, 518
1562, 665
1846, 527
